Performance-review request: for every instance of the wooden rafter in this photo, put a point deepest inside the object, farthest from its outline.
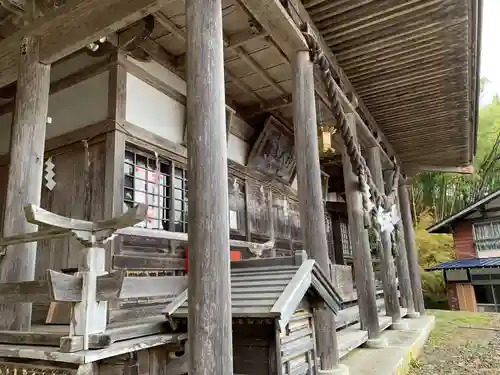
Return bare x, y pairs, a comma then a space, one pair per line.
233, 43
71, 27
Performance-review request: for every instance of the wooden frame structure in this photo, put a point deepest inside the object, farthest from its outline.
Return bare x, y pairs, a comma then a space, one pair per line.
274, 59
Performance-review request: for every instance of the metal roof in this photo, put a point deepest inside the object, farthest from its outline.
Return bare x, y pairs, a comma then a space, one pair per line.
273, 292
444, 226
467, 263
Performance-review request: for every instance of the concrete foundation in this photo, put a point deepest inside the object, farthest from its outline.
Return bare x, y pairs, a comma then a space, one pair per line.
395, 358
401, 325
340, 370
379, 343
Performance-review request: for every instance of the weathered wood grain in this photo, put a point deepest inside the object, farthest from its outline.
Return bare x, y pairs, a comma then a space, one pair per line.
24, 291
363, 268
71, 27
411, 248
89, 315
25, 172
312, 213
388, 271
210, 350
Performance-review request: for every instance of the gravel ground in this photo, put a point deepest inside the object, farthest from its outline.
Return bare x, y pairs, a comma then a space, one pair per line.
461, 344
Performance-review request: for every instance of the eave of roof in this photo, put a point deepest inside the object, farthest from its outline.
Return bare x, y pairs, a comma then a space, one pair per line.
445, 225
308, 277
467, 263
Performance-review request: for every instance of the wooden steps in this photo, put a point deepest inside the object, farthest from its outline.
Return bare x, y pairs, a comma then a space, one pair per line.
352, 337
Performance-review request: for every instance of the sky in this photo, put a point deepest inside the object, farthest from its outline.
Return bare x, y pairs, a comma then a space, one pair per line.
490, 50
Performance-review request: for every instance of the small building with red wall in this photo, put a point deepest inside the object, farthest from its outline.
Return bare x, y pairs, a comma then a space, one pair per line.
473, 278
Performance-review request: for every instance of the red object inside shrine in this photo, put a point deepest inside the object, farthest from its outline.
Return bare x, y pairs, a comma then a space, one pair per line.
234, 255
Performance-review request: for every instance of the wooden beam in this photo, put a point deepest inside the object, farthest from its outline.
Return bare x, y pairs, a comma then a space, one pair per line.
469, 169
116, 286
411, 248
24, 291
386, 259
210, 350
312, 214
25, 173
72, 26
275, 20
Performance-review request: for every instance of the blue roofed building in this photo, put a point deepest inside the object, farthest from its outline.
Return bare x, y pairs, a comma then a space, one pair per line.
473, 278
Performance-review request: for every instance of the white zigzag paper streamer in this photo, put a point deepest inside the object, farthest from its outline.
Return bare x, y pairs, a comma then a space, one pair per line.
49, 175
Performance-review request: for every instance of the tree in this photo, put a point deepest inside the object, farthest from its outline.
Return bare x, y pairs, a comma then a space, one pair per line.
442, 194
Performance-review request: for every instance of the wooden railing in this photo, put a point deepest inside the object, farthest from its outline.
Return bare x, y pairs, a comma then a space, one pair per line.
91, 287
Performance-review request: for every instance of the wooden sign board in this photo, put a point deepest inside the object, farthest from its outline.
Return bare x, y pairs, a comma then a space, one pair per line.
459, 275
273, 153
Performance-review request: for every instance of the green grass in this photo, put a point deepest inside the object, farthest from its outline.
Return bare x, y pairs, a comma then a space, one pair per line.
449, 324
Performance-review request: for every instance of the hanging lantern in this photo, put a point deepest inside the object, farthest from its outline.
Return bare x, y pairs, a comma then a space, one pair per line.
324, 139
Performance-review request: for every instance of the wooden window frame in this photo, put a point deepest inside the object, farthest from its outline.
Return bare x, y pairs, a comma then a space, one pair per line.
481, 242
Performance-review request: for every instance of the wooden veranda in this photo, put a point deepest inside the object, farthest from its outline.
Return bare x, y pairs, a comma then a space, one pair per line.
334, 105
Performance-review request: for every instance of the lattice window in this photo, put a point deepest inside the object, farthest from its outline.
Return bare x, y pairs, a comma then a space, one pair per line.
344, 238
180, 200
487, 236
149, 180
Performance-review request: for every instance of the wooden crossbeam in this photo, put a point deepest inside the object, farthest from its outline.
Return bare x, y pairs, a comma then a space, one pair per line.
280, 26
39, 216
72, 26
62, 287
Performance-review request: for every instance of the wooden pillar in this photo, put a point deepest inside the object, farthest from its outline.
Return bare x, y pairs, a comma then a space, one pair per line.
312, 213
25, 175
363, 267
210, 329
412, 252
388, 271
402, 265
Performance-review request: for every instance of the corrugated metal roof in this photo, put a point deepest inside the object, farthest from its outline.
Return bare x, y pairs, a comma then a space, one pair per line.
273, 292
467, 263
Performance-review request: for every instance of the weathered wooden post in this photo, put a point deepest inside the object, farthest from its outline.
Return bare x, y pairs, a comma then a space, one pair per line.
312, 215
25, 174
388, 272
88, 314
412, 252
363, 267
210, 325
403, 272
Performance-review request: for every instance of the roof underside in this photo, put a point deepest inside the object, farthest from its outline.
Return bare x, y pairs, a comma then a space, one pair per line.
414, 65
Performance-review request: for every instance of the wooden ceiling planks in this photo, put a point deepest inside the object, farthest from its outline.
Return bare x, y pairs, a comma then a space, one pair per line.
411, 64
414, 64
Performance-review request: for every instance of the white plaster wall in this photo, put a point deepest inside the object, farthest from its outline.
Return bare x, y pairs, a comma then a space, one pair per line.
163, 74
78, 106
154, 111
73, 108
488, 254
73, 65
237, 150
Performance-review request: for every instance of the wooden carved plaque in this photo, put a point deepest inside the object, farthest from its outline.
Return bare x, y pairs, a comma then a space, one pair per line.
273, 153
11, 368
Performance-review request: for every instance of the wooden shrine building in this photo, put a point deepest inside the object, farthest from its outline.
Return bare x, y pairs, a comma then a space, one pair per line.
296, 124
